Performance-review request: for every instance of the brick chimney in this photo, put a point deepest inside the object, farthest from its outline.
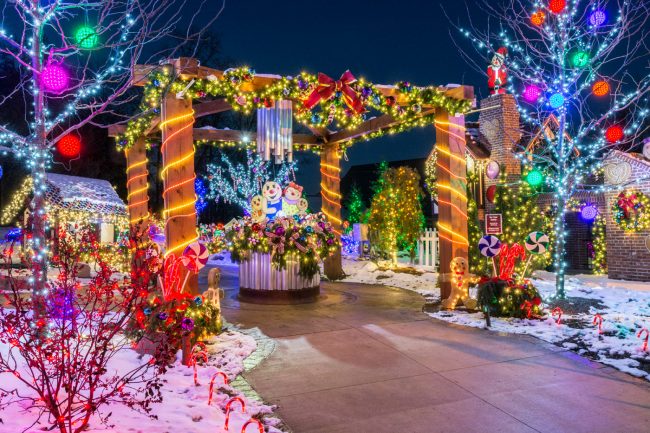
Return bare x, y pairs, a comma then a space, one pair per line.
499, 125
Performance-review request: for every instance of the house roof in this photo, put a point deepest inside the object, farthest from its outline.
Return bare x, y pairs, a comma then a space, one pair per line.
83, 194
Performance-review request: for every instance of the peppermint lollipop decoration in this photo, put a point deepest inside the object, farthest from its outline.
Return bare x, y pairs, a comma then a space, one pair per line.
537, 242
490, 246
195, 257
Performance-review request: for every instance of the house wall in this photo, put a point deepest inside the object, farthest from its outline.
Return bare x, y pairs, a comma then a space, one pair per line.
628, 256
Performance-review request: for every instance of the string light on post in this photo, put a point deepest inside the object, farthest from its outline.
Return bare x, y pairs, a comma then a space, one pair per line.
55, 78
614, 134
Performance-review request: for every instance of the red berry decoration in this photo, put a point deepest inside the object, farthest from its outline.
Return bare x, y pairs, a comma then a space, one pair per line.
614, 134
69, 146
390, 101
556, 6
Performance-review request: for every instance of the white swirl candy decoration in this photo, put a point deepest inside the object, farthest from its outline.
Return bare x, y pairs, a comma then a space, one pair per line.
537, 242
195, 257
489, 246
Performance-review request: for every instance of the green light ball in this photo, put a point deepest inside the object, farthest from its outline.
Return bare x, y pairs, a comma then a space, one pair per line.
534, 178
86, 37
580, 59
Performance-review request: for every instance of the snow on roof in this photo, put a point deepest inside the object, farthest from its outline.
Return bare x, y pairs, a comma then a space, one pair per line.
83, 194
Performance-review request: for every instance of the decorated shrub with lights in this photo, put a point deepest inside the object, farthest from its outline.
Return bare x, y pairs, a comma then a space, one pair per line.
213, 236
307, 239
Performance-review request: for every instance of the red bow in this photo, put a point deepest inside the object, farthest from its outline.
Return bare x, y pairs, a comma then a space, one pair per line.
626, 203
327, 87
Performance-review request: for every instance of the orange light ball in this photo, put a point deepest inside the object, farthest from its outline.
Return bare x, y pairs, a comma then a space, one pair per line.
600, 88
538, 18
556, 6
69, 146
614, 133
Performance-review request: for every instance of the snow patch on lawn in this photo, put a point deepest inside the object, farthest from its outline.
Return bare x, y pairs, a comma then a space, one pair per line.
185, 406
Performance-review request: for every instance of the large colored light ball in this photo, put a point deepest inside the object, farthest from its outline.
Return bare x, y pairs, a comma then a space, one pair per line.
86, 37
580, 59
532, 93
556, 100
69, 146
600, 88
538, 18
556, 6
491, 193
597, 18
614, 133
55, 78
589, 212
534, 178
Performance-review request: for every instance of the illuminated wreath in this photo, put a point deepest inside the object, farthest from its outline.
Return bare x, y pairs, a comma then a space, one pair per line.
631, 211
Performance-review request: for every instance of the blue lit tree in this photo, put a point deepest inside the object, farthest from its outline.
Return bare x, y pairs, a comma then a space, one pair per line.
583, 63
236, 183
74, 61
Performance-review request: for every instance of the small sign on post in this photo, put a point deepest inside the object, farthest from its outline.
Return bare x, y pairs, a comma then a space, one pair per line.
493, 224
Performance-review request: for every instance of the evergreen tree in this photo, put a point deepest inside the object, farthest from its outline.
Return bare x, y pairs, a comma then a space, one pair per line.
478, 264
396, 217
354, 205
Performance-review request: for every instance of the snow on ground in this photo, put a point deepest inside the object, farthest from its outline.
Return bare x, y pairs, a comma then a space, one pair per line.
623, 305
185, 406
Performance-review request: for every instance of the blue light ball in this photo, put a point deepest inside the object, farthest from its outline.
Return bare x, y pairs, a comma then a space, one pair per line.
1, 172
556, 100
597, 18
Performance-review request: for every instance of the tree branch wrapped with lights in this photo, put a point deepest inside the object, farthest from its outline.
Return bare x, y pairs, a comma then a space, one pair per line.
562, 56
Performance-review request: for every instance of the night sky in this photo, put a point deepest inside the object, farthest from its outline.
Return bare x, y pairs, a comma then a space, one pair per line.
381, 40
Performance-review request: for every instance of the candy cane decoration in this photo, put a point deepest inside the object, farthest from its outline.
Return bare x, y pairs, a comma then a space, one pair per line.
507, 256
526, 305
199, 347
598, 319
242, 406
214, 376
260, 427
645, 341
558, 311
193, 361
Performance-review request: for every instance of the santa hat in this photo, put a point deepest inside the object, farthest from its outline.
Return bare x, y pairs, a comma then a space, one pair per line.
501, 53
294, 186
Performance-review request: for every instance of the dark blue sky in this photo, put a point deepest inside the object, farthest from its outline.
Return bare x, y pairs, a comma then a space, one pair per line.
384, 41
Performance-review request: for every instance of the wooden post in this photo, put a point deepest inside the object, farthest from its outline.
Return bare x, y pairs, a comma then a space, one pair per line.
178, 179
330, 169
137, 183
452, 194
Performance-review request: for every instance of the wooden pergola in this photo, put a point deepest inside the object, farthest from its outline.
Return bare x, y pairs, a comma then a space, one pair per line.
177, 116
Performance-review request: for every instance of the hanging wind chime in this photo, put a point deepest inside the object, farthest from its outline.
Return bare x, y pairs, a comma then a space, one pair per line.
274, 131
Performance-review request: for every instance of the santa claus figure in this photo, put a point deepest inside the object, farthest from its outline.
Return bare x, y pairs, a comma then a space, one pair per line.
497, 73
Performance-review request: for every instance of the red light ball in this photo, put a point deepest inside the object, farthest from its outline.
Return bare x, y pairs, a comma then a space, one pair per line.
614, 133
600, 88
491, 193
556, 6
69, 146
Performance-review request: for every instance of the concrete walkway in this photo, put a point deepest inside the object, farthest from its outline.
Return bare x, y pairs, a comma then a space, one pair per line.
366, 359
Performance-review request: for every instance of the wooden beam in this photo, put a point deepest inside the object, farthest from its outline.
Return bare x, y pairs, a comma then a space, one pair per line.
200, 110
234, 135
137, 182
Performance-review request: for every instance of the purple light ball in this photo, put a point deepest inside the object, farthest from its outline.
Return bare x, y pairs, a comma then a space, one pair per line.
55, 78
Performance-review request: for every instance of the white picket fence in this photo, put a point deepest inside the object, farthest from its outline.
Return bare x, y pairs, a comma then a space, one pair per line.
428, 248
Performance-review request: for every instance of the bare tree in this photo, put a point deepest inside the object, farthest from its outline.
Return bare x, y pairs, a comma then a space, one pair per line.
75, 60
584, 62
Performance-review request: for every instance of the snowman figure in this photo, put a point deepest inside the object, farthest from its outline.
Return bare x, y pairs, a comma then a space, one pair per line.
257, 209
272, 203
292, 194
